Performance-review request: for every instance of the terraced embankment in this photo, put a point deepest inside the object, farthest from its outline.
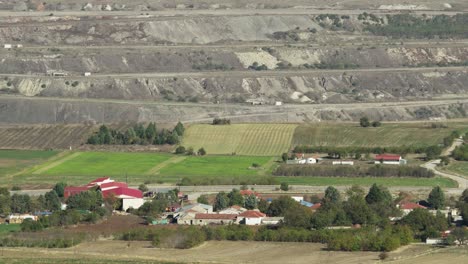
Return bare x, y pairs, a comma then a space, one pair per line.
184, 60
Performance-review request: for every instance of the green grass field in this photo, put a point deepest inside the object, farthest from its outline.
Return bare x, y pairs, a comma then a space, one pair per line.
457, 167
242, 139
343, 135
6, 229
13, 161
81, 167
215, 167
325, 181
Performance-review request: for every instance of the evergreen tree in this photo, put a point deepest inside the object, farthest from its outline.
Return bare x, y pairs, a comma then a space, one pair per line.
130, 136
52, 201
332, 196
250, 202
221, 201
20, 203
235, 198
5, 201
364, 121
203, 199
179, 129
436, 198
279, 206
150, 132
263, 206
59, 188
139, 130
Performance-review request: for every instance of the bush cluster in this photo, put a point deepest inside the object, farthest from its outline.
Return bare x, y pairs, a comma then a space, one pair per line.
348, 240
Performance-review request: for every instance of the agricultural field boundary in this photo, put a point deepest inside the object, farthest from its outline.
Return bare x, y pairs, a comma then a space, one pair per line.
56, 163
155, 170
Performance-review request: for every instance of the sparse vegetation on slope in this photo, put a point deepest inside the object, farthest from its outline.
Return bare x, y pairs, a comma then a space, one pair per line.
409, 26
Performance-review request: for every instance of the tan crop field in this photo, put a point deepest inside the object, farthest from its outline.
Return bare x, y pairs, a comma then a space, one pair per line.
242, 139
388, 135
44, 136
226, 252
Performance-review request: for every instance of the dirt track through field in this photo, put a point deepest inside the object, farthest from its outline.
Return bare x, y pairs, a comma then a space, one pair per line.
157, 168
56, 163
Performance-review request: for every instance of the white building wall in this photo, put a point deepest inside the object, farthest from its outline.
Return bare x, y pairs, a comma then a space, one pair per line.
253, 221
132, 203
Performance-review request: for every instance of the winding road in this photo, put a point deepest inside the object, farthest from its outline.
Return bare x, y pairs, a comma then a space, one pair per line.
432, 165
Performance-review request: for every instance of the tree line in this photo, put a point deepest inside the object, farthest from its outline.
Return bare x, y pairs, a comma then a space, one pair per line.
138, 134
353, 171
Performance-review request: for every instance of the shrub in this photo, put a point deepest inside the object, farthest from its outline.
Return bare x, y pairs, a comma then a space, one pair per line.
284, 186
180, 150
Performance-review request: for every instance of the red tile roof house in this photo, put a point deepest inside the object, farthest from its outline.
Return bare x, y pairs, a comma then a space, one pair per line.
389, 159
249, 192
408, 207
131, 198
251, 217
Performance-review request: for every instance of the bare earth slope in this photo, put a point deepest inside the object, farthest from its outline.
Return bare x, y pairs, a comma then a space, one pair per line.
196, 60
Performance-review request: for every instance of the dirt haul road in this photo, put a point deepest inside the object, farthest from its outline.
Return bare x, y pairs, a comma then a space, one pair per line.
229, 12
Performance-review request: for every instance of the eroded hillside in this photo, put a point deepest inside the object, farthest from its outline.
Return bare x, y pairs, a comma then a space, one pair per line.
190, 59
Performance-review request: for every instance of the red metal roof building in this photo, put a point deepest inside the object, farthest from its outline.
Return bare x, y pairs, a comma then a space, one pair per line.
107, 186
113, 185
73, 190
123, 193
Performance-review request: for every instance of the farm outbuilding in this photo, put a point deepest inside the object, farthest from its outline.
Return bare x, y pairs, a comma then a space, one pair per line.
214, 219
390, 159
251, 217
131, 198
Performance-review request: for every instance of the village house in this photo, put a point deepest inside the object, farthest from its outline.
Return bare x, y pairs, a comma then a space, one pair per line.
300, 158
408, 207
390, 159
214, 219
235, 209
251, 217
186, 215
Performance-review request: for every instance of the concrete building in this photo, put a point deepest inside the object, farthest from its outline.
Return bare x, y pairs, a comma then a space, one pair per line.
19, 218
343, 162
214, 219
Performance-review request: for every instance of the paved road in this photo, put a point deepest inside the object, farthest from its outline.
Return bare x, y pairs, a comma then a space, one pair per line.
262, 189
